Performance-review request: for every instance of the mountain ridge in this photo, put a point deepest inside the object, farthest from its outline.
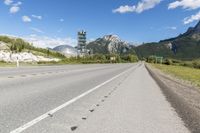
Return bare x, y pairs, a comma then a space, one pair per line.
186, 46
110, 44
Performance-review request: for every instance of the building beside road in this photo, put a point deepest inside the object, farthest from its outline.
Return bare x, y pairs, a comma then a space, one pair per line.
82, 42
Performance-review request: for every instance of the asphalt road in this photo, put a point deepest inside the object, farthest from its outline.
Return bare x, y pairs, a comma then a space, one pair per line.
84, 98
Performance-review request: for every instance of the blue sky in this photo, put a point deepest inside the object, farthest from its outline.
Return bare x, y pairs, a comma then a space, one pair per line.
54, 22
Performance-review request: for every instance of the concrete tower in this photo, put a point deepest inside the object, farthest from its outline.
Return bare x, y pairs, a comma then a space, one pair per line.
82, 41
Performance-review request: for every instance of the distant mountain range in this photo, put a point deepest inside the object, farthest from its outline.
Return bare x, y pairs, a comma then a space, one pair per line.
185, 46
110, 44
66, 50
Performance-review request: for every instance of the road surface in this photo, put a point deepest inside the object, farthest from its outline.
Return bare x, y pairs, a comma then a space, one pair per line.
112, 98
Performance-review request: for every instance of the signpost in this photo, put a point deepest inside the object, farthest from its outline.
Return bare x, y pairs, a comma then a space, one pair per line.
159, 58
17, 62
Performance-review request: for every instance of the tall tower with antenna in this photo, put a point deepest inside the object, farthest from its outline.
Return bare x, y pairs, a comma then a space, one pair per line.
82, 41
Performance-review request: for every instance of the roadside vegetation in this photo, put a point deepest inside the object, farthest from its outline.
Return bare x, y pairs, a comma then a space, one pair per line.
94, 59
186, 70
185, 73
169, 61
5, 64
97, 59
17, 45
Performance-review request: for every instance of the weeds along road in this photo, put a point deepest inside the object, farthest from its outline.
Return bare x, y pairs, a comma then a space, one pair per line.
112, 98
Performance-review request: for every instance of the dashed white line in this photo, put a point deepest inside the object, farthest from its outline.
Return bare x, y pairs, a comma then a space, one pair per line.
40, 118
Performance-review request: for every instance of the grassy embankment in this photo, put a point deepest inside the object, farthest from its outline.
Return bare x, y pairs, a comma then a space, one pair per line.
185, 73
95, 59
17, 45
4, 64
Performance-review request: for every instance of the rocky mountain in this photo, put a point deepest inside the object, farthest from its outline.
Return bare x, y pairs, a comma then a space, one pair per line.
110, 44
3, 46
193, 30
66, 50
186, 46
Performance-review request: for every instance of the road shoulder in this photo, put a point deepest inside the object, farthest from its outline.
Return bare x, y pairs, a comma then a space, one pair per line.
137, 105
183, 97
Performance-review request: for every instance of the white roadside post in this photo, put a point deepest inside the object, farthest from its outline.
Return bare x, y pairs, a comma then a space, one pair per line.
17, 62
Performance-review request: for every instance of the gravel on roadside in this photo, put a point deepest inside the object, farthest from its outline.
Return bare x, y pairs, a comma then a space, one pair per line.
184, 97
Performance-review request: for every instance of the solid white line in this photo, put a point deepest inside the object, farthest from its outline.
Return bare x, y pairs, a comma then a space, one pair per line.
40, 118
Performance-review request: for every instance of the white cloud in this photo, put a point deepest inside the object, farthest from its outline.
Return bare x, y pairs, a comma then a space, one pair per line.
8, 2
91, 40
26, 19
171, 28
192, 18
124, 9
14, 9
140, 7
37, 16
17, 4
36, 30
61, 20
185, 4
44, 41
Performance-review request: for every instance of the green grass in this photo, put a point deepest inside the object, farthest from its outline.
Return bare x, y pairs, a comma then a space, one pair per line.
185, 73
4, 64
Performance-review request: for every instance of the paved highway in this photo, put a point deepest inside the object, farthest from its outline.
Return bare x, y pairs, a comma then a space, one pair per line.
118, 98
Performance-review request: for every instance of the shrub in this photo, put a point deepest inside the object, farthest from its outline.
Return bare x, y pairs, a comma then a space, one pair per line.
168, 62
2, 61
151, 59
196, 64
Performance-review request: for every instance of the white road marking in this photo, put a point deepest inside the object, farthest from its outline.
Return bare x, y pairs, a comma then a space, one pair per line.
50, 72
51, 112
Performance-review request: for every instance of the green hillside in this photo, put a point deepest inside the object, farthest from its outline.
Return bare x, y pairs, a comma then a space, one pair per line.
187, 46
19, 45
149, 49
187, 49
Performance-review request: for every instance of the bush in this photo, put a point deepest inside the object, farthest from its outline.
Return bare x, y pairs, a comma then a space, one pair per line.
196, 64
99, 57
168, 62
151, 59
46, 62
2, 61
